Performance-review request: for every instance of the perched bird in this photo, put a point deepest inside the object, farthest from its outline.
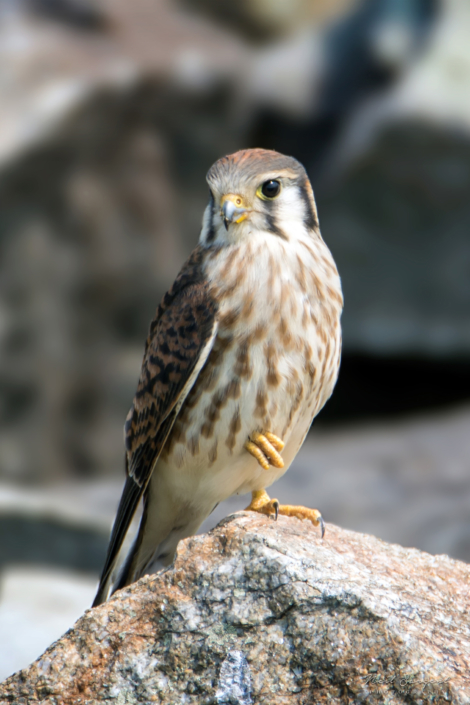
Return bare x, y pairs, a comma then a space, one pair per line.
242, 354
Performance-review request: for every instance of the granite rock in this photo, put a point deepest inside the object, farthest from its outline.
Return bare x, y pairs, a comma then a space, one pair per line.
261, 612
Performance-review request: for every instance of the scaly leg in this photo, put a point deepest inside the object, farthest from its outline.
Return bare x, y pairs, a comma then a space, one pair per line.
262, 503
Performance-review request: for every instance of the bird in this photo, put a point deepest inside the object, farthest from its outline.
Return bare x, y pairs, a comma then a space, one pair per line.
242, 354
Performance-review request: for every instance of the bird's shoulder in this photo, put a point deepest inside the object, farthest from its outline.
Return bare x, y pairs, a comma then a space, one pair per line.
177, 345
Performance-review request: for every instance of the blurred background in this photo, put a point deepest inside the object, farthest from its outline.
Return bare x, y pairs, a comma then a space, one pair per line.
110, 115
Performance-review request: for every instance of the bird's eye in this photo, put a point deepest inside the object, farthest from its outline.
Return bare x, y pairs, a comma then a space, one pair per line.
269, 190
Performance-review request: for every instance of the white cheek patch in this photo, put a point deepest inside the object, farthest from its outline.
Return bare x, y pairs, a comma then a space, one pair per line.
290, 212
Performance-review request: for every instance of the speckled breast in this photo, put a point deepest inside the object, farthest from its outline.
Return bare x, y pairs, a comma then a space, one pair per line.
275, 359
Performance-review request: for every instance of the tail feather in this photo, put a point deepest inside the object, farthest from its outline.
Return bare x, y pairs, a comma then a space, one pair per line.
129, 572
126, 510
103, 592
162, 526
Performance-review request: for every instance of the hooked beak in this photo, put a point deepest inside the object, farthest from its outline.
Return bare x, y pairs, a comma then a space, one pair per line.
232, 209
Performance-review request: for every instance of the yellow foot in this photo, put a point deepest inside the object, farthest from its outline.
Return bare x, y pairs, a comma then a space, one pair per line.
265, 447
262, 503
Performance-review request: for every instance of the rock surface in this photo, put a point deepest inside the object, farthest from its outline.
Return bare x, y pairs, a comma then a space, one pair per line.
263, 612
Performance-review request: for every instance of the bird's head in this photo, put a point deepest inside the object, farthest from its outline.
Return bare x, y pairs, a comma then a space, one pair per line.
258, 191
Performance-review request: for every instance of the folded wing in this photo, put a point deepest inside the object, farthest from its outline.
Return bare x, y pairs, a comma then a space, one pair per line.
180, 340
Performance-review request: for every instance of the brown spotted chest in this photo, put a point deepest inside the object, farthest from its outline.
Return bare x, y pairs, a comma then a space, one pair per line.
276, 355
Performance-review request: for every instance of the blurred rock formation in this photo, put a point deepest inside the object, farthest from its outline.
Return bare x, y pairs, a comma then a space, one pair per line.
398, 221
264, 21
101, 137
396, 205
111, 114
259, 611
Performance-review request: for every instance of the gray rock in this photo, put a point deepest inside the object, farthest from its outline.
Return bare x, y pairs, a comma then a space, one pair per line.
398, 222
396, 212
263, 611
262, 20
234, 685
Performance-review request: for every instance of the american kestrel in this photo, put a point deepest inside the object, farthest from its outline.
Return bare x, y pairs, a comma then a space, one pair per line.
242, 354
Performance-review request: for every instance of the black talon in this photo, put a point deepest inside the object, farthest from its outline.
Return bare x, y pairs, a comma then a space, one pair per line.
276, 509
322, 526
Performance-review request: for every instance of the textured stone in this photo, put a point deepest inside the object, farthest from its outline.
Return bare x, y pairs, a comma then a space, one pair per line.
262, 612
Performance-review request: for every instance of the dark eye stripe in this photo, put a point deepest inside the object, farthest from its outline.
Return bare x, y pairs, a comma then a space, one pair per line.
211, 234
273, 227
310, 218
